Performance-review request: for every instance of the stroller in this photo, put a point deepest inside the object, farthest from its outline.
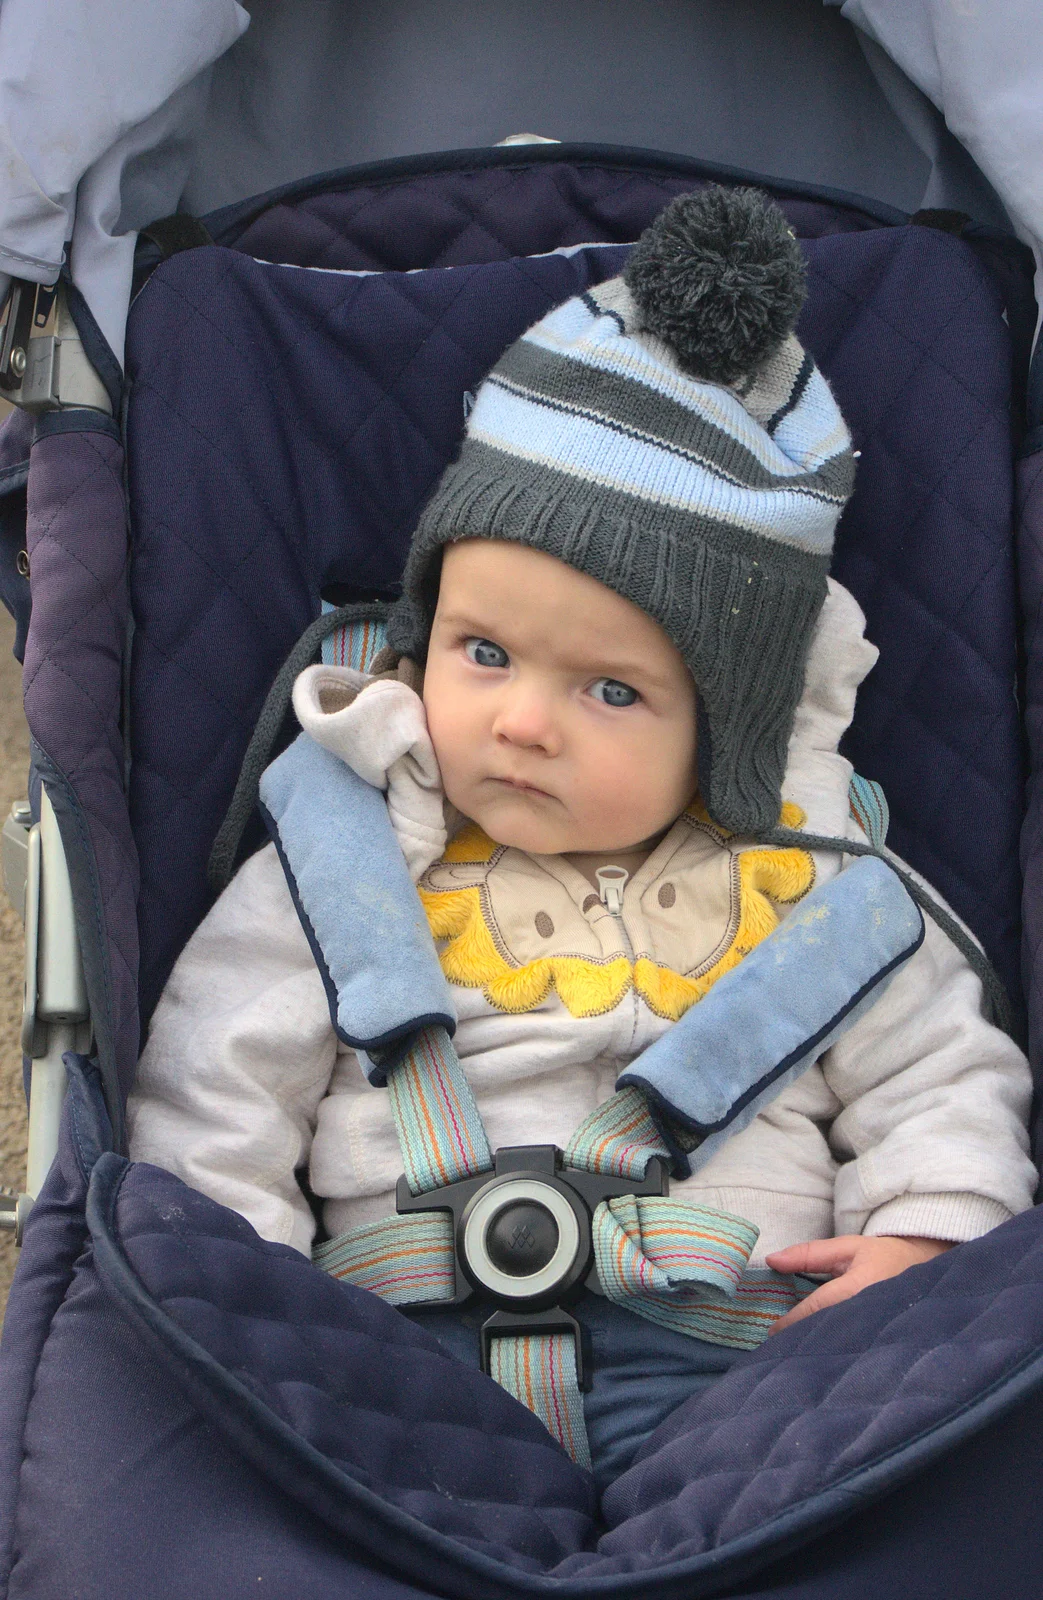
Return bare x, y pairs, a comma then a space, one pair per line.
188, 1410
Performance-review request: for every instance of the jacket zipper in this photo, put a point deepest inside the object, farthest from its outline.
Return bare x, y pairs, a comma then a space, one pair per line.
611, 883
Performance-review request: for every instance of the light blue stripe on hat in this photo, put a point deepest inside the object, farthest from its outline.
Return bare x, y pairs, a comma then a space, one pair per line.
814, 431
626, 358
565, 325
601, 454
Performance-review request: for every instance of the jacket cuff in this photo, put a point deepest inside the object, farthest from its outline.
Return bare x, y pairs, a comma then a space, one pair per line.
957, 1217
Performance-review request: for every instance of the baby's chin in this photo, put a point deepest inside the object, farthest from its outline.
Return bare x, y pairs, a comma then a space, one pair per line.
534, 835
519, 819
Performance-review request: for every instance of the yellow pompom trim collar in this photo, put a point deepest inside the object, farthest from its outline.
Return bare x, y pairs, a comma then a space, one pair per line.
589, 988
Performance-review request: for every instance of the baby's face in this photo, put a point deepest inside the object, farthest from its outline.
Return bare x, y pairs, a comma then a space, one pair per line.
562, 716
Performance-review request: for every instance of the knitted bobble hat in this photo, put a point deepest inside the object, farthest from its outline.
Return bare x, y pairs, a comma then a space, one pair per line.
666, 434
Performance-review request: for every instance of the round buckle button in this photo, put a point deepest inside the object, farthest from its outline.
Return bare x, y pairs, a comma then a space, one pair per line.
521, 1238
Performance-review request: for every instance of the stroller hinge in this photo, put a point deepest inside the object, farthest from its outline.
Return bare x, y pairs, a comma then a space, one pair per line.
43, 365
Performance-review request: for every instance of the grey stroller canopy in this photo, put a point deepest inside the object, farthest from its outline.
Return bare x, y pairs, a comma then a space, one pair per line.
116, 112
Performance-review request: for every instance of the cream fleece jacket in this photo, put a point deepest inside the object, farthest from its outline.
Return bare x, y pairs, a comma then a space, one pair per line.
914, 1123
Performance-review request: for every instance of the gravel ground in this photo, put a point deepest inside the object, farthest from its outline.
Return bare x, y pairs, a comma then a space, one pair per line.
14, 763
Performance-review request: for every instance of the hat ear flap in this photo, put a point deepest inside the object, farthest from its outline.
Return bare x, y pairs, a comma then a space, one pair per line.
411, 617
703, 750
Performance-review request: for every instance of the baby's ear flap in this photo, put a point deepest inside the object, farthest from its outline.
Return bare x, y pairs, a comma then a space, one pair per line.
387, 663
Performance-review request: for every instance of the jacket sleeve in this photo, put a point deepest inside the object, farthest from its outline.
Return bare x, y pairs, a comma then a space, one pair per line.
240, 1052
932, 1136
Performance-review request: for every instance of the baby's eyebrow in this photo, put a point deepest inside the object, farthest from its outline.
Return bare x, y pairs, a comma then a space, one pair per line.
461, 619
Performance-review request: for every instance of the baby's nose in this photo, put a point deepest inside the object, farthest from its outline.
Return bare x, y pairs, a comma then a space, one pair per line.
526, 719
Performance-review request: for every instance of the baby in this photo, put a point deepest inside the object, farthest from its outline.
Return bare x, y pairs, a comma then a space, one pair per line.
630, 665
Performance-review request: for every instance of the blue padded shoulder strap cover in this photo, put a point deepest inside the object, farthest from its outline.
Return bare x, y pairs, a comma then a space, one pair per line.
353, 893
767, 1020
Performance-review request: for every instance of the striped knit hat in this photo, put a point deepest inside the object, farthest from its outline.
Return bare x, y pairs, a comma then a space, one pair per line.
666, 434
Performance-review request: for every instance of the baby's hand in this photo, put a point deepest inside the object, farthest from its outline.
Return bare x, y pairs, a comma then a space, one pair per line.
854, 1262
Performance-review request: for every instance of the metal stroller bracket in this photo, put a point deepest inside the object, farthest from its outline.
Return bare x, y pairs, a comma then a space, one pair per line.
55, 1014
43, 365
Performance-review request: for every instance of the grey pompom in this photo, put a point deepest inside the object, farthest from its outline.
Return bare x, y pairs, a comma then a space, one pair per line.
719, 277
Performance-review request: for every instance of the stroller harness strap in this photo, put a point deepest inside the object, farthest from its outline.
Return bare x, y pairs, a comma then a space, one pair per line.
440, 1129
528, 1227
679, 1265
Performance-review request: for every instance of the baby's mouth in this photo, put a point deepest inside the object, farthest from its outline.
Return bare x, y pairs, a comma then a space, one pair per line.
523, 786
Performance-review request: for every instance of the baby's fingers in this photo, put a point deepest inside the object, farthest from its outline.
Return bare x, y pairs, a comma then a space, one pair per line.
829, 1294
818, 1255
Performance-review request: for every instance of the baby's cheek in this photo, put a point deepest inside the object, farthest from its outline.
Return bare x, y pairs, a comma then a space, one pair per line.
618, 803
453, 769
449, 735
644, 783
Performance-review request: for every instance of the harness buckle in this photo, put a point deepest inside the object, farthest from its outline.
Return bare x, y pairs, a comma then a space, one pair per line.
522, 1237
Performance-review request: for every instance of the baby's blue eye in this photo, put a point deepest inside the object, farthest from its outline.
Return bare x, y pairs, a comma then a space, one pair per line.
486, 654
614, 693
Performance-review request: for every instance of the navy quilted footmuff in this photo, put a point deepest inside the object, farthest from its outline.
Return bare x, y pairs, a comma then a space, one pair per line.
188, 1410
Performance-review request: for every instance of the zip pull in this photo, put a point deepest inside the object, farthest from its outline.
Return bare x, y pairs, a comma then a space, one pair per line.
611, 883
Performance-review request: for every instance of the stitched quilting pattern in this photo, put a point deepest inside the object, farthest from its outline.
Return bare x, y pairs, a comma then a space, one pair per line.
484, 214
936, 721
374, 1392
843, 1392
830, 1398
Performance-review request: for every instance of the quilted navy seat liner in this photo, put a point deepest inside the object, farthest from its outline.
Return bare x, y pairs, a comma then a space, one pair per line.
487, 205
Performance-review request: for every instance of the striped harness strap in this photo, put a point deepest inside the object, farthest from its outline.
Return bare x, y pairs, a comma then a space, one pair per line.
531, 1225
868, 805
683, 1266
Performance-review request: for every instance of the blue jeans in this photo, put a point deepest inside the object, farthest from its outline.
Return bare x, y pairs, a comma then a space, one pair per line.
640, 1372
